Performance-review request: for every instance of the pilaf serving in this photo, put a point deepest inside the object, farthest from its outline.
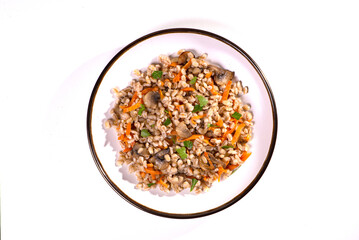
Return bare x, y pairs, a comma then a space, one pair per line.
181, 124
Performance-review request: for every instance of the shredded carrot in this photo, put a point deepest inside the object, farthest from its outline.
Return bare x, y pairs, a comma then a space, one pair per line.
247, 138
229, 131
121, 137
162, 182
127, 150
245, 155
232, 167
188, 89
143, 174
208, 75
150, 170
213, 91
146, 90
161, 83
149, 165
188, 64
173, 132
237, 133
220, 171
128, 129
219, 123
173, 64
169, 113
161, 94
193, 137
206, 141
178, 106
226, 91
197, 117
177, 78
133, 107
134, 97
205, 178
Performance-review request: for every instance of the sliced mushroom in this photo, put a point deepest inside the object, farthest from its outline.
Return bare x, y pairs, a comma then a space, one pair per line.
204, 164
215, 160
222, 76
183, 131
151, 99
183, 58
159, 159
139, 149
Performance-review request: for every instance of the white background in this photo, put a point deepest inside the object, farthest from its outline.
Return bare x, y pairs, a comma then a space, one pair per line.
51, 54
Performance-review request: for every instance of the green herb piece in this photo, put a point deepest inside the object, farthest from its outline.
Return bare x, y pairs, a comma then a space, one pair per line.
142, 108
157, 74
193, 80
202, 100
197, 108
153, 125
226, 147
236, 115
211, 125
167, 122
174, 138
166, 111
188, 144
150, 184
182, 152
145, 133
194, 182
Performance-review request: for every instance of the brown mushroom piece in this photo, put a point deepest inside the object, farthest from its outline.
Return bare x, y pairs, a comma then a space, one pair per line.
221, 76
183, 131
139, 149
182, 59
151, 99
204, 164
215, 162
159, 159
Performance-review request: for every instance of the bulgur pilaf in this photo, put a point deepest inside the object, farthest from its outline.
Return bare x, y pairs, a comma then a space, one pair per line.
182, 124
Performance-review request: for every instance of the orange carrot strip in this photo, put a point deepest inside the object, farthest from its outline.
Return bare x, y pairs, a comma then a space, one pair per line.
213, 91
188, 89
197, 117
219, 123
162, 182
188, 64
245, 155
237, 133
173, 64
226, 91
150, 170
232, 167
208, 75
178, 106
161, 94
220, 171
193, 137
134, 97
146, 90
128, 129
177, 78
127, 150
149, 165
121, 137
206, 141
143, 174
133, 107
229, 131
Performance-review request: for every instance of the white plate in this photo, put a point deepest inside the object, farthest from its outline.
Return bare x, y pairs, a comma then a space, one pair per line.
139, 54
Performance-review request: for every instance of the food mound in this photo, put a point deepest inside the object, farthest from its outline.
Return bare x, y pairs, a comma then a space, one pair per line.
181, 124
